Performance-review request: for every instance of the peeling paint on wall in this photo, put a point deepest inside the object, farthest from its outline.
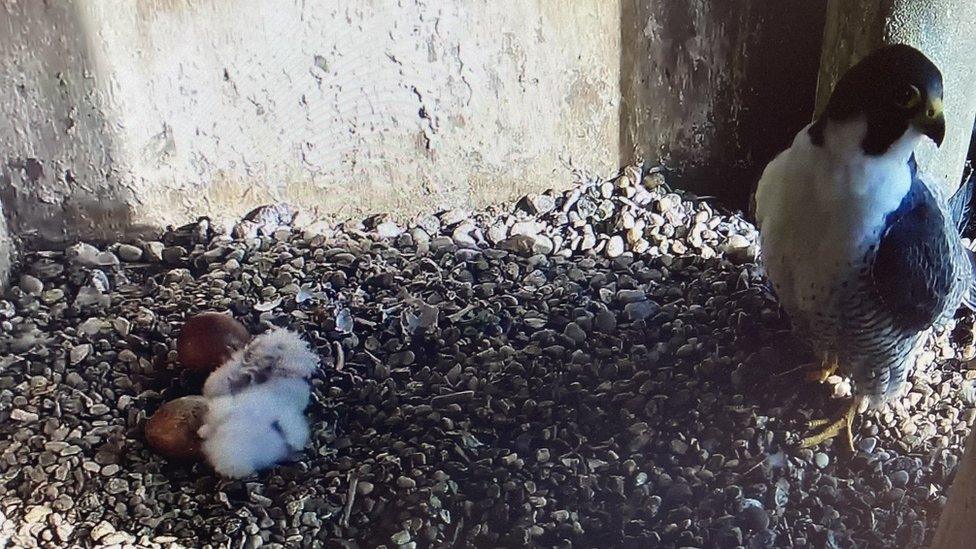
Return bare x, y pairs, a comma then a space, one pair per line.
133, 115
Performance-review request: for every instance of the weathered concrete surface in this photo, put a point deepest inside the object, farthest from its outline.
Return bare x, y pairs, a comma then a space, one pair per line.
126, 116
6, 250
943, 29
717, 87
59, 165
957, 525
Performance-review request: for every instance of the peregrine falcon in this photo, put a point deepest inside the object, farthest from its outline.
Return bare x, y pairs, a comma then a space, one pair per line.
863, 252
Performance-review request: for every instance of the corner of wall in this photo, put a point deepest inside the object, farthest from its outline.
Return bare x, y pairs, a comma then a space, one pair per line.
6, 251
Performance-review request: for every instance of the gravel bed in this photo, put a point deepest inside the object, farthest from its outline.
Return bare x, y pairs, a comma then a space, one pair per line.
601, 367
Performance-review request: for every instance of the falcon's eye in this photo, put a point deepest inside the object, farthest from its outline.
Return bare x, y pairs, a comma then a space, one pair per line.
908, 97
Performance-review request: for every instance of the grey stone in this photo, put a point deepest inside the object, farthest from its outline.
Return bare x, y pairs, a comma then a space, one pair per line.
129, 253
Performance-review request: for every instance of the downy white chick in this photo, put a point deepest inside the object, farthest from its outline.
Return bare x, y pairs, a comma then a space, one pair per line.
255, 415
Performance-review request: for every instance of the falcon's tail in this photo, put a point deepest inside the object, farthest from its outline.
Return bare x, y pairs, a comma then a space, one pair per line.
969, 298
961, 209
961, 202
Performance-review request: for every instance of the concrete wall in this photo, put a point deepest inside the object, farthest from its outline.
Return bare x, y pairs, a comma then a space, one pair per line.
118, 117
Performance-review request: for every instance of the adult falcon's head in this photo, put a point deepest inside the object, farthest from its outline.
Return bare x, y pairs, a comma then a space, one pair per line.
896, 88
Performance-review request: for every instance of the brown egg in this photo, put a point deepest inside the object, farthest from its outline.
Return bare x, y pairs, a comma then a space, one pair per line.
172, 430
208, 339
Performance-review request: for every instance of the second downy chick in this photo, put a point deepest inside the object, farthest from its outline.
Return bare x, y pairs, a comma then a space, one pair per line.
257, 399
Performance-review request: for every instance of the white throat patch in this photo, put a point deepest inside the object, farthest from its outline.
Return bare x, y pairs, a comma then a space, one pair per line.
821, 208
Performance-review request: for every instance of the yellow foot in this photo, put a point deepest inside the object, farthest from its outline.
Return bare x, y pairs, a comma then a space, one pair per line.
831, 428
821, 373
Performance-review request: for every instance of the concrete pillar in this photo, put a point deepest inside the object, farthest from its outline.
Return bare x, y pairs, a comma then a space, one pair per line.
59, 161
943, 29
957, 527
717, 88
6, 251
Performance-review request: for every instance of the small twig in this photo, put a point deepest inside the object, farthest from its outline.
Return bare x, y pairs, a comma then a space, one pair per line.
350, 499
753, 468
340, 360
452, 398
457, 531
793, 370
373, 357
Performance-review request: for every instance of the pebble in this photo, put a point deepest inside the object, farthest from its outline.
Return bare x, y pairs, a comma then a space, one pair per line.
653, 180
867, 444
605, 321
615, 246
153, 251
116, 538
129, 253
754, 518
540, 203
101, 530
31, 285
36, 514
174, 255
122, 326
497, 233
79, 353
679, 492
641, 310
542, 245
22, 415
737, 241
453, 217
91, 327
520, 244
52, 296
388, 229
900, 478
679, 447
575, 333
84, 254
403, 358
526, 228
631, 296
